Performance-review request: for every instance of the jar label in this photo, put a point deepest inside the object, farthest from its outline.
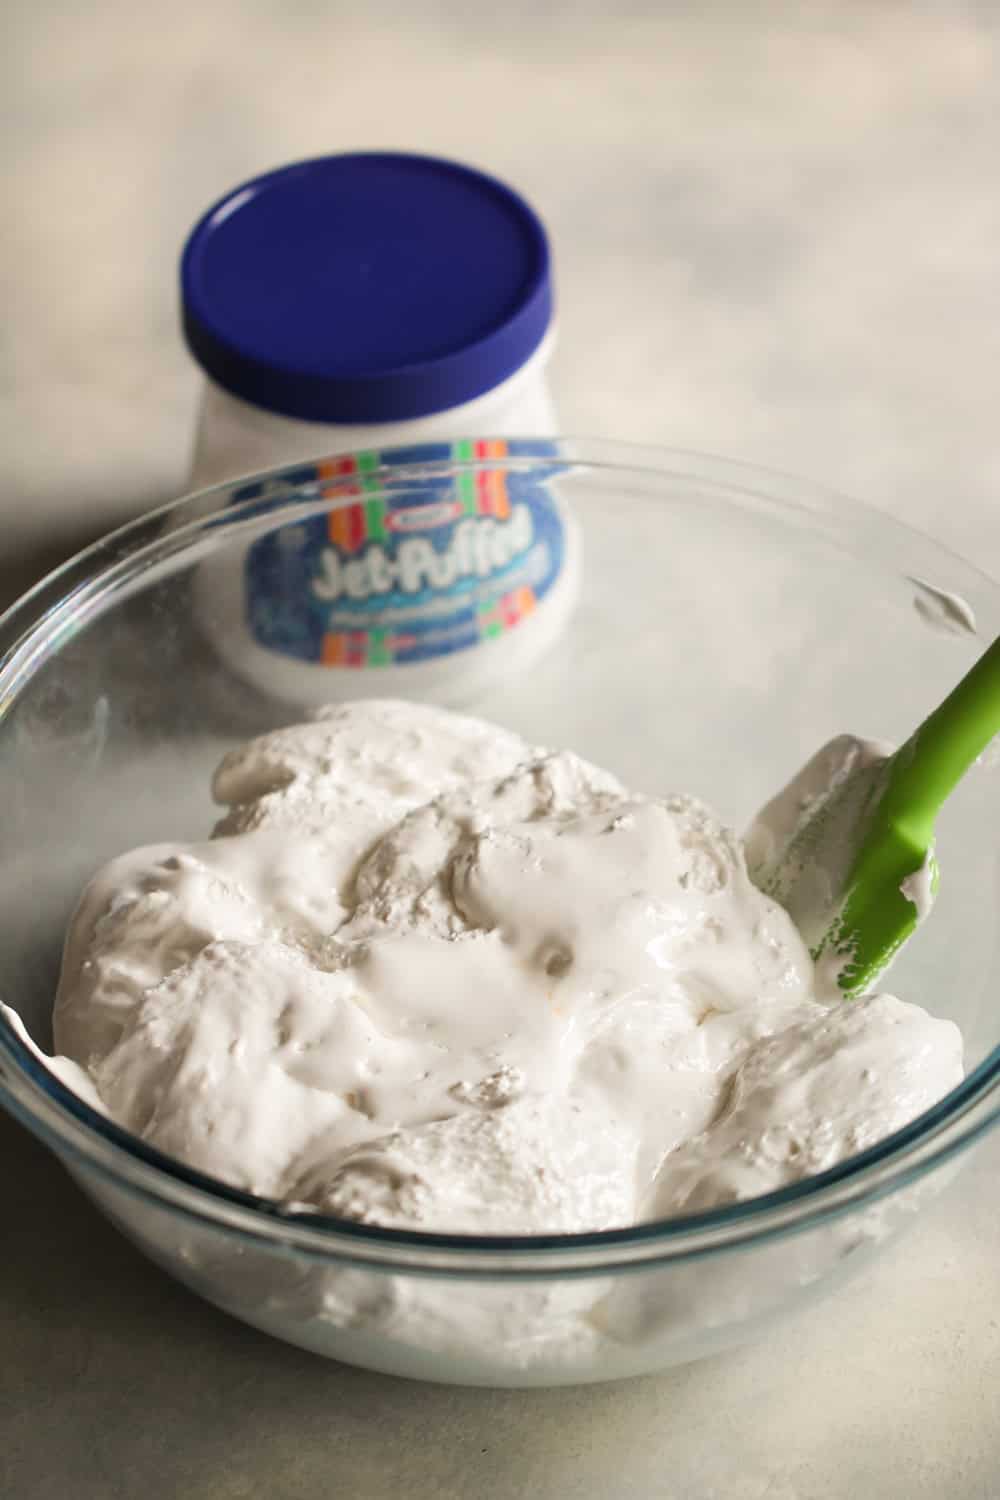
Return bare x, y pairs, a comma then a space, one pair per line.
405, 569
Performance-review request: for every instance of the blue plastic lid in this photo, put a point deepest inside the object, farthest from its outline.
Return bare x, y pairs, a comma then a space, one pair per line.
366, 288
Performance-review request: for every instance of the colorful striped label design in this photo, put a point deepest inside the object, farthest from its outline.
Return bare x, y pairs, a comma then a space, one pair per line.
405, 567
349, 527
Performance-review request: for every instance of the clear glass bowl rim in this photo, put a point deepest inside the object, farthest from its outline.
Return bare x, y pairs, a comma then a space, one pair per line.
90, 582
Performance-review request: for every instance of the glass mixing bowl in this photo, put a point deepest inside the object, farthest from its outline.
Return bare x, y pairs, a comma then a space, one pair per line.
729, 622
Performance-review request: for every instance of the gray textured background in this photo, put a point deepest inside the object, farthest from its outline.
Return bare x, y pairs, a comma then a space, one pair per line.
776, 230
776, 226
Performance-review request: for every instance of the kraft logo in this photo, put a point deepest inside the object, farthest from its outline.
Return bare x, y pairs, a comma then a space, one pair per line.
424, 517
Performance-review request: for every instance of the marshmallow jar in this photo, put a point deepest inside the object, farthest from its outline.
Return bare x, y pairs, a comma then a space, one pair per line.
390, 310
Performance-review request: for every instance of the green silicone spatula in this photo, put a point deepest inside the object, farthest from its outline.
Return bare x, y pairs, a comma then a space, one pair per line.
848, 846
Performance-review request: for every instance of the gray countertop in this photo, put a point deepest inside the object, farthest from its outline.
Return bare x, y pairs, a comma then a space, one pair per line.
115, 1382
776, 232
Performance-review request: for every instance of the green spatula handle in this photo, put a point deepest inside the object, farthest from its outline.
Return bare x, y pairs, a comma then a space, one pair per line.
926, 768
